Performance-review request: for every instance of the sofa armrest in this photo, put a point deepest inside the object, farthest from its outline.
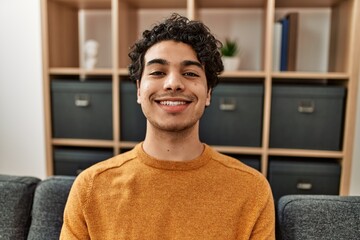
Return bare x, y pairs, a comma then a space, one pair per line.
16, 198
319, 217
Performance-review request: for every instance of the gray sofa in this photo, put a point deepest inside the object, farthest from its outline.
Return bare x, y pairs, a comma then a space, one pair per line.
31, 208
319, 217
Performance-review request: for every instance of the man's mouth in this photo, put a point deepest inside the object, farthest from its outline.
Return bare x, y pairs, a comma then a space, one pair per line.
172, 103
173, 106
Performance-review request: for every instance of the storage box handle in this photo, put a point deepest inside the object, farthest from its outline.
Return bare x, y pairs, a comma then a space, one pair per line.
304, 186
82, 100
306, 106
227, 104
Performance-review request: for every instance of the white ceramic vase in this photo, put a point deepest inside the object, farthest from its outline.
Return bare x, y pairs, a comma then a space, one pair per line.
91, 48
231, 63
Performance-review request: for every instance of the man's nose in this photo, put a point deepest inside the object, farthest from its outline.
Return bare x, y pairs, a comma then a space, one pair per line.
174, 82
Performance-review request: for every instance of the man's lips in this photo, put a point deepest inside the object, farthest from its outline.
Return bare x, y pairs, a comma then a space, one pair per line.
173, 106
172, 99
172, 103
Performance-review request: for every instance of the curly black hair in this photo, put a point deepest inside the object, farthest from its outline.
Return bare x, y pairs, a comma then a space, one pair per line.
180, 29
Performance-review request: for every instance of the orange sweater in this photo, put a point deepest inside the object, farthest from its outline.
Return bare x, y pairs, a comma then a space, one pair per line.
134, 196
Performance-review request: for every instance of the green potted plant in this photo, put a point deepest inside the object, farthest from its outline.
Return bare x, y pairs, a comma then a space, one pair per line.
230, 55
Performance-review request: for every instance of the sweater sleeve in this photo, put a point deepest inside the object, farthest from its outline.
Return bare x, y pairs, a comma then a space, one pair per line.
264, 227
74, 225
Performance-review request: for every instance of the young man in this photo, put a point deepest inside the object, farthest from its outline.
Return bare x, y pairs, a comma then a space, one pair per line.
171, 186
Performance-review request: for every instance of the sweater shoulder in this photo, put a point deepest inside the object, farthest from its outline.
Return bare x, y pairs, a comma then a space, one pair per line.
117, 161
243, 174
85, 181
235, 164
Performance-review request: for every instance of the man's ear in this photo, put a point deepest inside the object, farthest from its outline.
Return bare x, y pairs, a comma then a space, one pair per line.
138, 91
208, 97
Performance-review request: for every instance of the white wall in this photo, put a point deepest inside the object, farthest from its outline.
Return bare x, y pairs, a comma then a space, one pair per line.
22, 145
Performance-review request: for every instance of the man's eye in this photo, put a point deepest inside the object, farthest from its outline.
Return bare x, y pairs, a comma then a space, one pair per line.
191, 74
157, 73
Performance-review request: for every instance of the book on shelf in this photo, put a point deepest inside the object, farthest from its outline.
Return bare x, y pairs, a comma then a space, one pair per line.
284, 44
286, 37
277, 46
292, 40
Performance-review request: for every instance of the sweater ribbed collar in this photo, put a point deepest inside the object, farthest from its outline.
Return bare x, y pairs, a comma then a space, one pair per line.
196, 163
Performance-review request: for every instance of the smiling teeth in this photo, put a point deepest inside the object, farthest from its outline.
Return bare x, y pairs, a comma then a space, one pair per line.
172, 103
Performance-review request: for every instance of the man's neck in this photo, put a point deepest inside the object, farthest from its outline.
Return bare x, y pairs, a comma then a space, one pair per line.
173, 146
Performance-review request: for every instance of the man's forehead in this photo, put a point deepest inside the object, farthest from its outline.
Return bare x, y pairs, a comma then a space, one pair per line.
169, 50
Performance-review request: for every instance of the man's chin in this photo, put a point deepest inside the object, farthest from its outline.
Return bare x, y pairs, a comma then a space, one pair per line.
174, 127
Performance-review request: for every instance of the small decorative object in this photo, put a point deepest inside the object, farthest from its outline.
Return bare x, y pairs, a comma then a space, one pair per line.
230, 57
91, 50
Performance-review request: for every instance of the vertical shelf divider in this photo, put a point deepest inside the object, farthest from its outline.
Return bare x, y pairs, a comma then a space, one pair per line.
352, 88
115, 73
46, 87
192, 9
268, 39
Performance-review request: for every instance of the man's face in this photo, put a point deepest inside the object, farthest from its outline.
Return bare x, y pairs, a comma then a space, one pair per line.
173, 90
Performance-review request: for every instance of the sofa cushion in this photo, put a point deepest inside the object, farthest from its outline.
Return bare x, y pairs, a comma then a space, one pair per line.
49, 202
319, 217
16, 197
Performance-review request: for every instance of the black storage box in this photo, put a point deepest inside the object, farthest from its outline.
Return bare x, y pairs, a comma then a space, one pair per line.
72, 161
304, 177
82, 109
307, 117
250, 160
132, 119
234, 116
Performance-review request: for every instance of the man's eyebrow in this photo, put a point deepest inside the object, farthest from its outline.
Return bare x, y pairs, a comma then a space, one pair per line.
157, 61
190, 62
184, 63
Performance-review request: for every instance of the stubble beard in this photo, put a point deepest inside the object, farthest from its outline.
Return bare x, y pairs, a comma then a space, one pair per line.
171, 127
168, 126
